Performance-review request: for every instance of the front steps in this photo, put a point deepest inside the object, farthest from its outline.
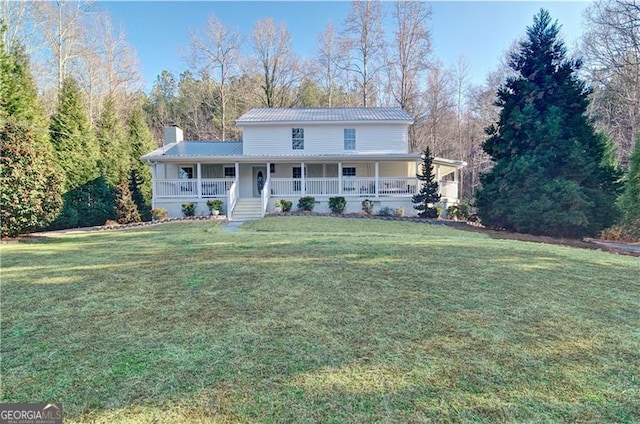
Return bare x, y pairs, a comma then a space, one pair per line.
247, 208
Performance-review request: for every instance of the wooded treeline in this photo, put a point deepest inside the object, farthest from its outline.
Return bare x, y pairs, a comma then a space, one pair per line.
73, 49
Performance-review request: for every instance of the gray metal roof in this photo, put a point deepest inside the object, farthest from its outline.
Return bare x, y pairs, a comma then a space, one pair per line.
199, 149
343, 114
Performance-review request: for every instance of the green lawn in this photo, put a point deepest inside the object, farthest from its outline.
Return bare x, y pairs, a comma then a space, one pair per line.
298, 319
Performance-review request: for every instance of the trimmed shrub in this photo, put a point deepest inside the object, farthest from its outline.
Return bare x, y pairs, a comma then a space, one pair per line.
285, 204
367, 206
188, 209
307, 203
337, 204
159, 214
387, 211
214, 205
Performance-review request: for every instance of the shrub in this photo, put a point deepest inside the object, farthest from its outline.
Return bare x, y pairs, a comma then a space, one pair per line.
619, 233
367, 206
387, 211
159, 214
337, 204
306, 203
214, 205
188, 209
286, 205
460, 212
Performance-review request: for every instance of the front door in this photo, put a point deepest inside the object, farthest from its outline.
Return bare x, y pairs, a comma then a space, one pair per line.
259, 179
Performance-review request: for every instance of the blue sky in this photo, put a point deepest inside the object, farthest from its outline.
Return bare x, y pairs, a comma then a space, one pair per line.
480, 30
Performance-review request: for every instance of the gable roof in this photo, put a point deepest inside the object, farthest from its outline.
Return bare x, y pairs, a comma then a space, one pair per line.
339, 114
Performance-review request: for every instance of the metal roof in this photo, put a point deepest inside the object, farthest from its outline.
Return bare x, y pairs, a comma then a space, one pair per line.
345, 114
198, 149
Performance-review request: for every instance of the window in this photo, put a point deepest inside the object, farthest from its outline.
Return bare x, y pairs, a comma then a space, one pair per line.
229, 171
185, 172
297, 138
297, 173
349, 139
349, 171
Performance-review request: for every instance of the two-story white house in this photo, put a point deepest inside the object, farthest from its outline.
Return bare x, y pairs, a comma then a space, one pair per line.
357, 153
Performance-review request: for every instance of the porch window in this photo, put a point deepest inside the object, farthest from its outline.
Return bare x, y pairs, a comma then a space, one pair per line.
185, 172
297, 138
229, 171
349, 139
349, 171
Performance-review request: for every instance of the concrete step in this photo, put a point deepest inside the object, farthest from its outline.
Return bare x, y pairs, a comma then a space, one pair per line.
247, 209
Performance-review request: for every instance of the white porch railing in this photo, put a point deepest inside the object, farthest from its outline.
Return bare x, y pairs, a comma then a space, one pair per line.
209, 187
265, 197
399, 186
232, 198
448, 189
351, 186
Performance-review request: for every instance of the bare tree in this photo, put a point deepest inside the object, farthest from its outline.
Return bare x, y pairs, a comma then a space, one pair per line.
272, 45
216, 56
62, 26
411, 51
439, 108
111, 66
363, 37
328, 58
612, 52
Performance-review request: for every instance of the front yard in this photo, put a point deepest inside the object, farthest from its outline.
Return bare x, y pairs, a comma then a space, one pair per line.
300, 319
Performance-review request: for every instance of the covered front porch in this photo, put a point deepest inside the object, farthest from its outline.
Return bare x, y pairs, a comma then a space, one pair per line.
389, 182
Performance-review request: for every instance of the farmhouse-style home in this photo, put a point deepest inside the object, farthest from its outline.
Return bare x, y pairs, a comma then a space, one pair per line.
357, 153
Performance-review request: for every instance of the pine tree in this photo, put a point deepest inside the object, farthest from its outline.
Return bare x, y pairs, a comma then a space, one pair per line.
630, 199
30, 195
72, 137
126, 209
553, 174
113, 161
425, 201
141, 142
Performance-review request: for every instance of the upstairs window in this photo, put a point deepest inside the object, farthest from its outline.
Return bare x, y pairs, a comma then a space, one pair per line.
349, 139
297, 138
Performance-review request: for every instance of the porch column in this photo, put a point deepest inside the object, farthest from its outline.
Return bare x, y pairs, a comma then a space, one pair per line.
302, 177
339, 177
199, 178
377, 168
154, 175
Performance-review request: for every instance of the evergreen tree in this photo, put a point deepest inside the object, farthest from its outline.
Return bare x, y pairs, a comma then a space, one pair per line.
31, 181
72, 137
90, 204
113, 161
30, 197
630, 199
425, 201
126, 209
553, 174
141, 142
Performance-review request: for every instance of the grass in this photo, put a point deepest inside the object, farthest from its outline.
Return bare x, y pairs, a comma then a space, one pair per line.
298, 319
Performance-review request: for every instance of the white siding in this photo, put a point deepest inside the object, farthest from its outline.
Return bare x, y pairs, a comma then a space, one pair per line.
324, 139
